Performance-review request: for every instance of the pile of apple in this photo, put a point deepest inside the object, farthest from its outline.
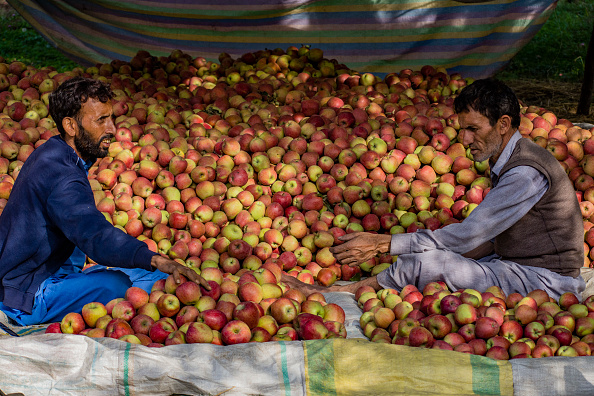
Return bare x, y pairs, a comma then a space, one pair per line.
250, 308
267, 159
272, 156
489, 323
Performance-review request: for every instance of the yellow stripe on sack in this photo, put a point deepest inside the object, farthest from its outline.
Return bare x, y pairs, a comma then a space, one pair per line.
319, 367
489, 376
363, 367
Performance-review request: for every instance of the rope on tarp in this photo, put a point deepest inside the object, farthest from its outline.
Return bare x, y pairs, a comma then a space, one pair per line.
10, 394
8, 331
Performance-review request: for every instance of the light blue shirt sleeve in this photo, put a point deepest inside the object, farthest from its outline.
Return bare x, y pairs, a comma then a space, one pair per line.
517, 191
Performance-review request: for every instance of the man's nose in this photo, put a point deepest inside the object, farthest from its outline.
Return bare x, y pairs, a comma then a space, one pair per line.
467, 137
111, 127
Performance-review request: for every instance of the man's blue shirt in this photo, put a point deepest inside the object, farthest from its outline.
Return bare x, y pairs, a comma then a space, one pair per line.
51, 210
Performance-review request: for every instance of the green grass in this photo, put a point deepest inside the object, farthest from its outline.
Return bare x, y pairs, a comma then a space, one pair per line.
556, 53
558, 50
19, 41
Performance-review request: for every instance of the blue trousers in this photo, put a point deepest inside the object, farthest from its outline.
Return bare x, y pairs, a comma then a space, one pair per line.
70, 288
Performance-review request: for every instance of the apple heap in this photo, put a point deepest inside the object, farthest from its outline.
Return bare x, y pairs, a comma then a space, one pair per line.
489, 323
273, 156
252, 306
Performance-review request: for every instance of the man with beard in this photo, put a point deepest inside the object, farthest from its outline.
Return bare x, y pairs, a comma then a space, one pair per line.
51, 211
526, 234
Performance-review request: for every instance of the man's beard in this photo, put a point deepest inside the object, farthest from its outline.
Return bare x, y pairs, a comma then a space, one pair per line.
87, 148
487, 155
492, 148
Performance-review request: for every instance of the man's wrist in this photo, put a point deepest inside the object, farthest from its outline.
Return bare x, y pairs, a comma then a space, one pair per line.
384, 243
155, 261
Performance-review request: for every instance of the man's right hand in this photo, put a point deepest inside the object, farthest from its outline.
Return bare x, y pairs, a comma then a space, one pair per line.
360, 247
176, 269
308, 289
305, 288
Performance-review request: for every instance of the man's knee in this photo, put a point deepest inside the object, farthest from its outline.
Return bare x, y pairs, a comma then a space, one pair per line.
411, 268
142, 278
422, 268
434, 259
111, 283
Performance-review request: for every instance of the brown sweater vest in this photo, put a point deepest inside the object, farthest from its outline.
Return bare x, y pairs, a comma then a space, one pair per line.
551, 234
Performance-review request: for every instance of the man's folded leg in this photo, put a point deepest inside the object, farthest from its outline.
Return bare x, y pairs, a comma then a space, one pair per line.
459, 272
142, 278
61, 294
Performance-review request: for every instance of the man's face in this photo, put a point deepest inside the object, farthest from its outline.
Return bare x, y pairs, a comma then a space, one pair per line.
485, 141
95, 129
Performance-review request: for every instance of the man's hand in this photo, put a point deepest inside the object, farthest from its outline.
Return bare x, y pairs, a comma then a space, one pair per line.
352, 287
360, 247
308, 289
176, 269
305, 288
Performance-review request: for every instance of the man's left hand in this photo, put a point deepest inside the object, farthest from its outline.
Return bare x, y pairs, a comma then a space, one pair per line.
176, 269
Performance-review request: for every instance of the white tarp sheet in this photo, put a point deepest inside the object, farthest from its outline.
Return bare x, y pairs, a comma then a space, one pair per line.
55, 364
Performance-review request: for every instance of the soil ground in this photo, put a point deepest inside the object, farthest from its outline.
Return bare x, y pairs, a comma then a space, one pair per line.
559, 97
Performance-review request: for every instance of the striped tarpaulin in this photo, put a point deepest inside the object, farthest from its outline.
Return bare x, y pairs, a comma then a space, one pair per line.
475, 38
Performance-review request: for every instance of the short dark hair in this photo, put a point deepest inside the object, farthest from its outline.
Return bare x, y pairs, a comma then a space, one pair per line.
491, 98
68, 98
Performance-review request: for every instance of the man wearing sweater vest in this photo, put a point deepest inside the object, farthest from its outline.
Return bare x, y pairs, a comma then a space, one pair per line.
51, 211
526, 234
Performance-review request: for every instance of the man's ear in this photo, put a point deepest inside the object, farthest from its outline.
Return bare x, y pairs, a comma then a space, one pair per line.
504, 124
70, 126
